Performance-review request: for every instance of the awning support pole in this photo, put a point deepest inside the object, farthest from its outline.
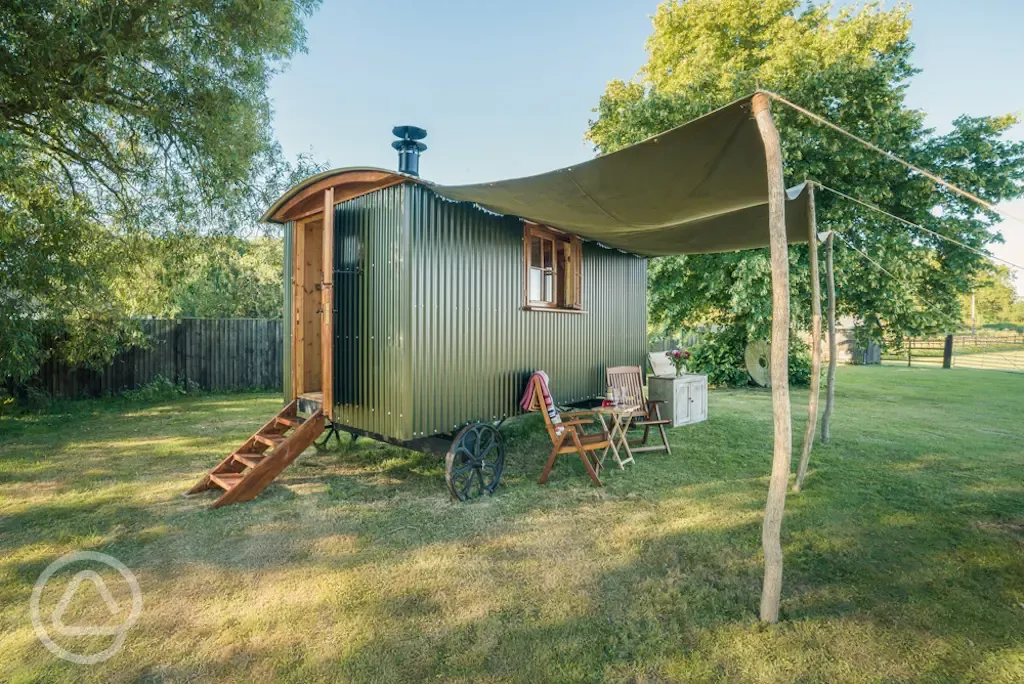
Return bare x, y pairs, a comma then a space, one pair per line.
812, 408
771, 530
833, 352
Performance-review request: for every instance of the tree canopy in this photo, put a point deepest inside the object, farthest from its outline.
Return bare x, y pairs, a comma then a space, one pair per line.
996, 301
852, 66
118, 118
212, 276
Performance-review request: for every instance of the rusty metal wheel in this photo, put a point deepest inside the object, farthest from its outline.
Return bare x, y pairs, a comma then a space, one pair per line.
474, 463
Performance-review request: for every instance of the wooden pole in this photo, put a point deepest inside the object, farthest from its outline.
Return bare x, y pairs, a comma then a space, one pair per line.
812, 407
771, 530
298, 307
327, 307
833, 351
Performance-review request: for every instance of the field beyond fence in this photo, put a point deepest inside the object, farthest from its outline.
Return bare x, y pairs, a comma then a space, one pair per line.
207, 353
989, 352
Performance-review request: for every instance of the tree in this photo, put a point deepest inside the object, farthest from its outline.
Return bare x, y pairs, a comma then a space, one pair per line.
995, 298
116, 118
213, 276
852, 66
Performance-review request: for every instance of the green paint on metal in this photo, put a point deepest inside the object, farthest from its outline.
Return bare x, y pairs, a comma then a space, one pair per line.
473, 345
430, 328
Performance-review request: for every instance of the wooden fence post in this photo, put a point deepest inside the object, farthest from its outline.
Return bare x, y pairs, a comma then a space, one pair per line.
833, 344
178, 353
771, 530
812, 404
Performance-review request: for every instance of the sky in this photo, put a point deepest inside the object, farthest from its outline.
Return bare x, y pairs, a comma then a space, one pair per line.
506, 89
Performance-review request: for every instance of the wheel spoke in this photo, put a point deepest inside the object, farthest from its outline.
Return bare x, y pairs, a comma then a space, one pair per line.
467, 456
483, 444
469, 483
492, 447
461, 469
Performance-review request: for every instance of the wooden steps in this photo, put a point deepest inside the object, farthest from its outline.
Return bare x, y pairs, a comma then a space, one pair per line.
262, 457
225, 480
290, 421
272, 440
250, 459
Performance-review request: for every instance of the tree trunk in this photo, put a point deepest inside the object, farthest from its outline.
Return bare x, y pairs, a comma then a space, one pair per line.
833, 352
771, 531
812, 408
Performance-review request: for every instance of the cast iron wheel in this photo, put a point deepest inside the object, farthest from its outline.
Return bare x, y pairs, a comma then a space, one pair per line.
473, 465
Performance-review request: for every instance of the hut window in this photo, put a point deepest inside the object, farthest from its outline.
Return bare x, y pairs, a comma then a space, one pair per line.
553, 269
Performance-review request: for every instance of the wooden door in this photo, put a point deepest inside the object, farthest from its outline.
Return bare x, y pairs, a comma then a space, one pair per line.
681, 404
313, 292
699, 400
307, 371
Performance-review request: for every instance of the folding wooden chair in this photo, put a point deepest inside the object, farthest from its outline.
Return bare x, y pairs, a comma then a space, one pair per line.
630, 380
567, 437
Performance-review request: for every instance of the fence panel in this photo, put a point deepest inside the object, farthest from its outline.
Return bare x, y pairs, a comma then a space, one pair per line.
987, 352
215, 354
682, 340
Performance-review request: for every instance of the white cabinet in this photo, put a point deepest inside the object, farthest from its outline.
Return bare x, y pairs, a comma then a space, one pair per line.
685, 398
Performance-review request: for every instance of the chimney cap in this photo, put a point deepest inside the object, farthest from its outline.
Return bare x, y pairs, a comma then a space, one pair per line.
409, 148
409, 132
408, 145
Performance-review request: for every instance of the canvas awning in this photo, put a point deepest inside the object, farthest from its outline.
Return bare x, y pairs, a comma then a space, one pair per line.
701, 187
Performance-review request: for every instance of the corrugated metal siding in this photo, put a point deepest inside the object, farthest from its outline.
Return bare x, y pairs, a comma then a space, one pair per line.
471, 344
370, 305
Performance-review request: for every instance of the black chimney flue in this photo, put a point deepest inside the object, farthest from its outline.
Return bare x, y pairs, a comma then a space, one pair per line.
409, 148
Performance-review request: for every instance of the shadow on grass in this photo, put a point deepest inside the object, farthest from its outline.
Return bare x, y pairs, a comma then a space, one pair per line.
896, 532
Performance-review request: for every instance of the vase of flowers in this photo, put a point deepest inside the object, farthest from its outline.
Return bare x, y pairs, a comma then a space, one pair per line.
679, 359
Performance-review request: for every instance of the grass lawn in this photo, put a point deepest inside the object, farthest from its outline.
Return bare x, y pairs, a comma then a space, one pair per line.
904, 554
1000, 360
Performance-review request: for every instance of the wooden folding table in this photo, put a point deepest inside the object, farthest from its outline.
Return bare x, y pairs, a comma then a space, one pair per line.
621, 416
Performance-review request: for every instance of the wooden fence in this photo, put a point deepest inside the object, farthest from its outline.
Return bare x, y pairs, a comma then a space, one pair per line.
849, 351
992, 351
680, 340
210, 353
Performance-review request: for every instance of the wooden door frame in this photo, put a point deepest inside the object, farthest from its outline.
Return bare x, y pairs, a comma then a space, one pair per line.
327, 306
298, 306
326, 286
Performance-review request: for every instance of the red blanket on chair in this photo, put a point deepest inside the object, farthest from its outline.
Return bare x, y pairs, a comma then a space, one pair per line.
548, 404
